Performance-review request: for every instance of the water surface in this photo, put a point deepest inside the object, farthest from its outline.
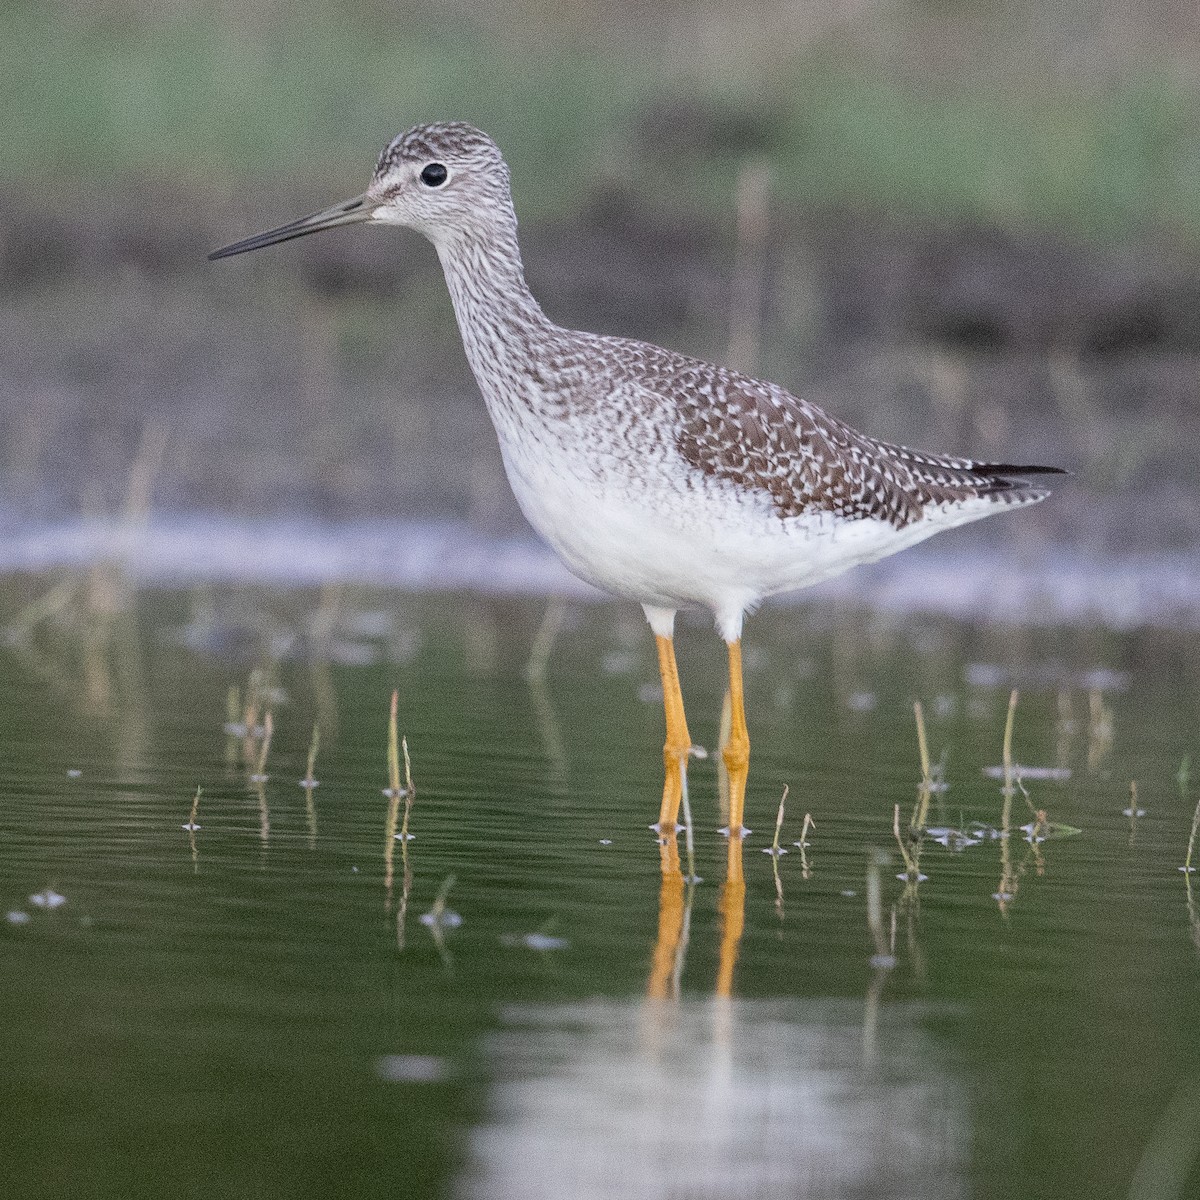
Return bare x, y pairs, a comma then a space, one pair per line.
255, 1008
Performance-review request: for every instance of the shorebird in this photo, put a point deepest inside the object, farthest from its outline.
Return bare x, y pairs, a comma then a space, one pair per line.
655, 476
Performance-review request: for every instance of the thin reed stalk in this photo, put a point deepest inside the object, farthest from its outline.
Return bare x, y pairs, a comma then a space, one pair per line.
921, 809
1182, 778
264, 748
191, 821
410, 792
776, 850
393, 794
313, 746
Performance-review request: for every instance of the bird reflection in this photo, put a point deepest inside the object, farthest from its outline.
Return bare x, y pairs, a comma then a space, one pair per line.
677, 1095
675, 900
710, 1095
732, 907
672, 913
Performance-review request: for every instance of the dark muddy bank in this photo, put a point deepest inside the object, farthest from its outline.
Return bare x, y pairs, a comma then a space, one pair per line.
325, 380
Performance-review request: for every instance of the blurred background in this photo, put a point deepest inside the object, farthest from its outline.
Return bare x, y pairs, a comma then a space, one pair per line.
968, 227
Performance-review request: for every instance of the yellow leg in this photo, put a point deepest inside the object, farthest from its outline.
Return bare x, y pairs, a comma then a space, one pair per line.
679, 741
737, 750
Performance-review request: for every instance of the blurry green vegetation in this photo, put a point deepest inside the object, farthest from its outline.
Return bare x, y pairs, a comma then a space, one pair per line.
889, 108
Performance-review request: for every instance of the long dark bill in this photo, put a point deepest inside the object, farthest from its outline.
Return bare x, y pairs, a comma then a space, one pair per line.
350, 212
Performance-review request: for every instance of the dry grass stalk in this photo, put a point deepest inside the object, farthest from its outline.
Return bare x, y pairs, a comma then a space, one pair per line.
912, 864
313, 746
925, 790
775, 850
264, 748
393, 749
410, 792
195, 811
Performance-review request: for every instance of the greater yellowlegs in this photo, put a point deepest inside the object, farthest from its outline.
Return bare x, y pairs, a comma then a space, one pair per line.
656, 476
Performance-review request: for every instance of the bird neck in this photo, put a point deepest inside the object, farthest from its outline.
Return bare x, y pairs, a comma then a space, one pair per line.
497, 314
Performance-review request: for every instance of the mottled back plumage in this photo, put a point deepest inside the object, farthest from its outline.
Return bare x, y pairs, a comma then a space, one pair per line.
730, 428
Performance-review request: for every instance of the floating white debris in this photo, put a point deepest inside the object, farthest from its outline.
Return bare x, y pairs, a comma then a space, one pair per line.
953, 839
1003, 896
1188, 870
1031, 833
1031, 774
657, 828
775, 851
257, 778
545, 941
73, 772
1133, 812
905, 877
235, 728
190, 826
411, 1068
606, 841
986, 833
309, 784
48, 899
397, 794
848, 892
692, 879
18, 917
882, 960
404, 837
445, 918
537, 940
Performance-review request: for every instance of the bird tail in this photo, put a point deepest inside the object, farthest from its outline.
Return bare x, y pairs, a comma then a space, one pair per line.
1010, 482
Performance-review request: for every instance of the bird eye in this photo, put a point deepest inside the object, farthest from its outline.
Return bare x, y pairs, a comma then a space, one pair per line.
434, 175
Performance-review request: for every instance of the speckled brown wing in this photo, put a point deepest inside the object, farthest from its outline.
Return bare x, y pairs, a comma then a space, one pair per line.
759, 437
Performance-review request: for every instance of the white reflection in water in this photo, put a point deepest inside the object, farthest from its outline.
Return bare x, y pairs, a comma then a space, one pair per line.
713, 1098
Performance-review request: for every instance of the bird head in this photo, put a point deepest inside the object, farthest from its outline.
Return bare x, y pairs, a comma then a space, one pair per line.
447, 181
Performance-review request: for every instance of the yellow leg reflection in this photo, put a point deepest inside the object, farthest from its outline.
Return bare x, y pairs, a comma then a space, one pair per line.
678, 743
663, 979
736, 752
732, 906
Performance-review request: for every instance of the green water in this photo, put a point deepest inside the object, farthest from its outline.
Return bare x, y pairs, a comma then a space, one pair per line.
249, 1017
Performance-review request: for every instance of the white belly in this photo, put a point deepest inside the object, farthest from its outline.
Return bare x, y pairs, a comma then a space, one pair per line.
706, 544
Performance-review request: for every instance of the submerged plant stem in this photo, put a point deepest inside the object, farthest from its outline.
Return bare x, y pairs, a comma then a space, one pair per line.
313, 747
779, 821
